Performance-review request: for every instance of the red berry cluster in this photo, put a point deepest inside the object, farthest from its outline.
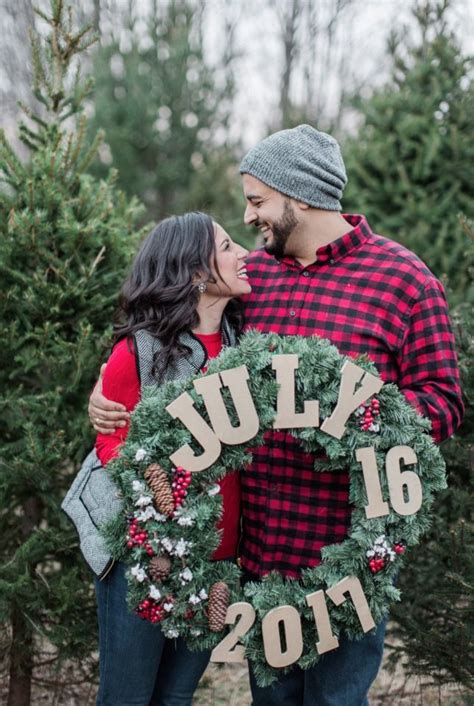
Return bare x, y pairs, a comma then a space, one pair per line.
376, 564
370, 411
382, 554
179, 485
150, 610
137, 537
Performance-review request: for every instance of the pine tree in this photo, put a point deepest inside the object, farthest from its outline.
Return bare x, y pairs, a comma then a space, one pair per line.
66, 239
410, 164
434, 620
166, 116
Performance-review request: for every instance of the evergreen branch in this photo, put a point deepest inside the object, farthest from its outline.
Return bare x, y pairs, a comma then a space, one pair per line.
40, 97
69, 20
33, 137
42, 14
8, 155
58, 7
58, 75
97, 259
80, 139
91, 152
67, 153
88, 43
31, 145
39, 75
27, 110
31, 195
5, 179
75, 42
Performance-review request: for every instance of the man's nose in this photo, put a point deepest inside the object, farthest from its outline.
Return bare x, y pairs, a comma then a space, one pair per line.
249, 214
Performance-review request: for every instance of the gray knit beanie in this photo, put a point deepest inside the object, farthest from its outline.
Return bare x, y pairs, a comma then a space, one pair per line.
302, 163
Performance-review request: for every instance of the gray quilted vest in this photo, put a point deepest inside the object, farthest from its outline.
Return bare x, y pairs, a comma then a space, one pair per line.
93, 497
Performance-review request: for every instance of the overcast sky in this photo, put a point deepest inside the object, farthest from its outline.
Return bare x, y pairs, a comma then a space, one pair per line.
364, 28
366, 24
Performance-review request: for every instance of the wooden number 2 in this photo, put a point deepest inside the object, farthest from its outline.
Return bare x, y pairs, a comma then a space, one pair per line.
228, 650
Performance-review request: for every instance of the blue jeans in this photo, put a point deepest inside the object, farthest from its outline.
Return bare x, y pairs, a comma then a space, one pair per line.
138, 665
342, 677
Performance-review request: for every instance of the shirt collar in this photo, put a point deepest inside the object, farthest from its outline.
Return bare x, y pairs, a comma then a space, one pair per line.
358, 234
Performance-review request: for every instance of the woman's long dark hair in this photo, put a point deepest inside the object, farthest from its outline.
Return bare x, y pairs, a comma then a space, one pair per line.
160, 295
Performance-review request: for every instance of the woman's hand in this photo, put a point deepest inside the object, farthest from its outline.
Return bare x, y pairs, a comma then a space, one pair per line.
104, 414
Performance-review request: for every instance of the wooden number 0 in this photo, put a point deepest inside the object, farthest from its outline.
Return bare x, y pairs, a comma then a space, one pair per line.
228, 650
288, 618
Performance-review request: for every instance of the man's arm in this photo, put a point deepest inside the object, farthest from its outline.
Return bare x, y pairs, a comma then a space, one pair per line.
120, 383
429, 375
105, 415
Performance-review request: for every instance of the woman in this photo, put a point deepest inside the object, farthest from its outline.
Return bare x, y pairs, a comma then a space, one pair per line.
177, 312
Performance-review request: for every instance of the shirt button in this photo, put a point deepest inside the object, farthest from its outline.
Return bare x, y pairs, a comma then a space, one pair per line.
331, 261
292, 312
305, 273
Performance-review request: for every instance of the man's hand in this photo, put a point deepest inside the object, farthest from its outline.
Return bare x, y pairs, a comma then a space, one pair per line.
104, 414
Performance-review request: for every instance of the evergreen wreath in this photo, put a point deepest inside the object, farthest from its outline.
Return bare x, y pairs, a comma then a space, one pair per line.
167, 532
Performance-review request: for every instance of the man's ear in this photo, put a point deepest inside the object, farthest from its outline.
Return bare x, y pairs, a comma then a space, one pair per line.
301, 205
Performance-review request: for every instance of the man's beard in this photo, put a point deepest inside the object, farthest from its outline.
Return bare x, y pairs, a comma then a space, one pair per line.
281, 231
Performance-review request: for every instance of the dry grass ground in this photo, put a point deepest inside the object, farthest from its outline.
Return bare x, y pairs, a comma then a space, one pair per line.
227, 685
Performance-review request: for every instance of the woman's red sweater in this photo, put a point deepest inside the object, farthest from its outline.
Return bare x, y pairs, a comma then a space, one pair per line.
121, 384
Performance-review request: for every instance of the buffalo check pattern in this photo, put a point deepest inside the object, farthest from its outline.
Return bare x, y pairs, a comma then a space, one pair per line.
366, 294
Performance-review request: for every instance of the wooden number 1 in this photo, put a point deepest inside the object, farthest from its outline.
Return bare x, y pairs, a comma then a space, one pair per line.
376, 506
352, 586
404, 487
326, 640
228, 650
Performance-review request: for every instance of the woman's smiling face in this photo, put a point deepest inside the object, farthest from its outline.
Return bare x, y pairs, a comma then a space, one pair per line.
230, 273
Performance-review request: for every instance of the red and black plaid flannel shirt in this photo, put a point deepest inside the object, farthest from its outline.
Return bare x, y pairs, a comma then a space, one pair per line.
366, 294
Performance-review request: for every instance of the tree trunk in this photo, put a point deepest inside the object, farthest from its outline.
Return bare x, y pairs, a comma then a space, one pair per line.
96, 17
21, 650
290, 48
21, 661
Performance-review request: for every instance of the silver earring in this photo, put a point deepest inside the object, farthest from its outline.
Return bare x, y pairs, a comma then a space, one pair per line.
202, 286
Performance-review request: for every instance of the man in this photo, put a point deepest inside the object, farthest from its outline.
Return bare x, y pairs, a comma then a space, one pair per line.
327, 274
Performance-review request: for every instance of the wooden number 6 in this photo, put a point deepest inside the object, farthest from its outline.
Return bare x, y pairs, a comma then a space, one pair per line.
228, 650
398, 480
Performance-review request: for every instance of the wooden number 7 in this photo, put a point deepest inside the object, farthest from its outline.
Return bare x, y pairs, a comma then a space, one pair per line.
352, 586
228, 650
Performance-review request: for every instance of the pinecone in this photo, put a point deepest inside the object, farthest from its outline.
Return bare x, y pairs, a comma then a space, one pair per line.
159, 568
158, 481
219, 596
